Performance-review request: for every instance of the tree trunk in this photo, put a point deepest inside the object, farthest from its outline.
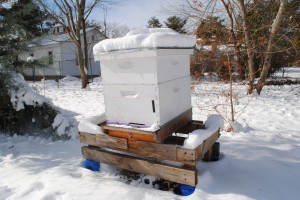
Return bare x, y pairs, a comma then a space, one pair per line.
85, 47
81, 19
268, 56
231, 96
81, 54
237, 55
84, 78
249, 47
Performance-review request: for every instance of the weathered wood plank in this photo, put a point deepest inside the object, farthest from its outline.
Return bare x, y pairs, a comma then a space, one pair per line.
132, 136
129, 134
208, 155
191, 126
173, 125
174, 140
154, 150
207, 144
103, 140
106, 127
213, 153
186, 156
148, 149
168, 172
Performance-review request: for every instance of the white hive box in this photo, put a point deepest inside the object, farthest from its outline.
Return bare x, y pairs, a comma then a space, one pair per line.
144, 66
149, 85
147, 104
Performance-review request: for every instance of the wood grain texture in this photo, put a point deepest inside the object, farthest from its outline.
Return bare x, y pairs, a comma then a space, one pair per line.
173, 125
191, 126
186, 156
207, 144
129, 134
132, 136
148, 149
154, 150
103, 140
159, 151
168, 172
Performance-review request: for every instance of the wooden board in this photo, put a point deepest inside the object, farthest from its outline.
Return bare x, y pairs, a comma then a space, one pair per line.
173, 125
186, 156
207, 144
147, 149
130, 134
153, 150
168, 172
191, 126
103, 140
213, 153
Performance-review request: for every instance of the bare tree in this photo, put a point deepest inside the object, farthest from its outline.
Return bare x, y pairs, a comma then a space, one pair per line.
268, 56
196, 10
193, 10
249, 46
111, 30
268, 52
230, 12
73, 15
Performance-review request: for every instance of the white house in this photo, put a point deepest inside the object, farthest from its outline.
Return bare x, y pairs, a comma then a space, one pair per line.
62, 53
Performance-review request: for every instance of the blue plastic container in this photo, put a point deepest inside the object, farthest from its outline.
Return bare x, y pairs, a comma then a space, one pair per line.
186, 190
91, 165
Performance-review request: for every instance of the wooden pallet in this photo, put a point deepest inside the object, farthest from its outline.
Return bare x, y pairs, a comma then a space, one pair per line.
166, 160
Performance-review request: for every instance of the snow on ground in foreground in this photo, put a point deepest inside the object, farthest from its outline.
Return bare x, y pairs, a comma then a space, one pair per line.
261, 159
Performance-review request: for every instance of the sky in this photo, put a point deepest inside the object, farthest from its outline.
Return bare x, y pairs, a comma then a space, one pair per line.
133, 13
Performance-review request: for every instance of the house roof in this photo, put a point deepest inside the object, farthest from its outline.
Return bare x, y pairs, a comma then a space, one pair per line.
54, 39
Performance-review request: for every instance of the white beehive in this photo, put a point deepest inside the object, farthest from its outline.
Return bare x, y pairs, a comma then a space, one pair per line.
144, 66
145, 85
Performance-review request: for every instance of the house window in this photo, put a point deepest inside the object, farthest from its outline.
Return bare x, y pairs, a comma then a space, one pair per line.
50, 54
93, 38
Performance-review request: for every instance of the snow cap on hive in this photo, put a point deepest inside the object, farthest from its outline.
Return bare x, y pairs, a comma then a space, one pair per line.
146, 38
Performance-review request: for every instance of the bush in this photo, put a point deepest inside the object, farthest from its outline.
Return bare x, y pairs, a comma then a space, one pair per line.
29, 117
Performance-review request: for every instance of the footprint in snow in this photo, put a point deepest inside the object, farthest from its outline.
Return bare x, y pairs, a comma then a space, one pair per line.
76, 174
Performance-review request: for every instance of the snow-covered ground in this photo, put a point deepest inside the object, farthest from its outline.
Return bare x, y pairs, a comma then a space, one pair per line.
261, 158
288, 72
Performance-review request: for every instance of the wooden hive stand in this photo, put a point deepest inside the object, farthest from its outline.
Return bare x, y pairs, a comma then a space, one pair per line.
160, 155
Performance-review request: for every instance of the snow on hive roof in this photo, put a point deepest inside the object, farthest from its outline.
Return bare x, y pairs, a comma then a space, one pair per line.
146, 38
